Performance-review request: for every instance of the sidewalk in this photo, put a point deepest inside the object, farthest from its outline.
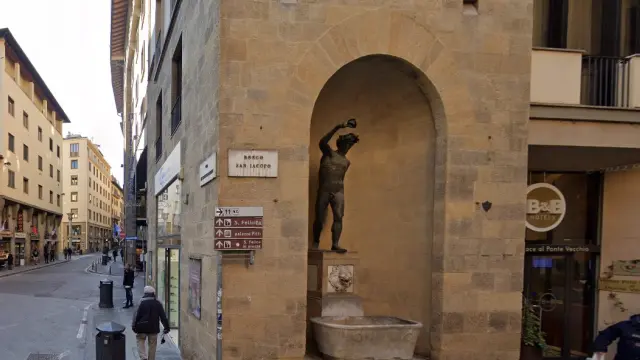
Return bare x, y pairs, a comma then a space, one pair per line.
20, 269
117, 268
166, 351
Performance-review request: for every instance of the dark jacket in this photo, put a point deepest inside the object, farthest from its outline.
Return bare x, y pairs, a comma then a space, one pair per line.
129, 277
147, 318
10, 259
628, 333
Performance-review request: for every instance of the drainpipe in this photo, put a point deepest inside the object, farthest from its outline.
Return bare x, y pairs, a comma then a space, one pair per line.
219, 307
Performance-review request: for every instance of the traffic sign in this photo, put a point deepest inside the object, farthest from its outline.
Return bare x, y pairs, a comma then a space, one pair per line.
239, 211
238, 228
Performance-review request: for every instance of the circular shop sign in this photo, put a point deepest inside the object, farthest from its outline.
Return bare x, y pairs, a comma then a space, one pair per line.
546, 207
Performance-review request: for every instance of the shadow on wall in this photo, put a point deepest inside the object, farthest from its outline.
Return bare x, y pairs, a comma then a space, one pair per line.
389, 188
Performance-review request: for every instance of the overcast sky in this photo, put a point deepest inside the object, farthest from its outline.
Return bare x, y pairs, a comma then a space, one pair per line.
68, 43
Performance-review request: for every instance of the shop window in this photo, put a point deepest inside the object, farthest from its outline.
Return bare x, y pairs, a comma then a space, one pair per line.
169, 210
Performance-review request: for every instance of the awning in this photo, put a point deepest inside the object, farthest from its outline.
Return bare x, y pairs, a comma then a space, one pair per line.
580, 158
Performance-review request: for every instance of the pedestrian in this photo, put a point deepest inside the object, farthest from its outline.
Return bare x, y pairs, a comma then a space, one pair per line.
127, 282
628, 333
46, 253
35, 255
122, 254
115, 254
10, 261
52, 254
146, 323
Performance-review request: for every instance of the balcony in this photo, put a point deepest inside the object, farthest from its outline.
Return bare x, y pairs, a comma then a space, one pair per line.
569, 77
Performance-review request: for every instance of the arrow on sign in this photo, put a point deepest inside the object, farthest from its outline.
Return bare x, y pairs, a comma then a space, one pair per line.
219, 233
219, 244
219, 222
219, 212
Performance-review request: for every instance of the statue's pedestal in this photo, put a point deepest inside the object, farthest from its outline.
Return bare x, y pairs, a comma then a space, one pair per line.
331, 285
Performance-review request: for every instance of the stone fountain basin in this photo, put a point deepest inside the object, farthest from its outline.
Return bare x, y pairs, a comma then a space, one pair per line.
366, 337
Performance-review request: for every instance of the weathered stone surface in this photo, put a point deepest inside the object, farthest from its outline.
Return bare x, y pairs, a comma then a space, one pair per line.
252, 72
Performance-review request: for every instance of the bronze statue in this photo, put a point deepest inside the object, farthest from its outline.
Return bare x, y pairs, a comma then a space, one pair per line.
333, 167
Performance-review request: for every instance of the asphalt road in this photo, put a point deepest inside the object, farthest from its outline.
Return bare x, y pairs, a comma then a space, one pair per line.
42, 311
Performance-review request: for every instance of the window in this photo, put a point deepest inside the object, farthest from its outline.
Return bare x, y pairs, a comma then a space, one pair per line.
176, 87
159, 127
58, 199
39, 134
11, 180
25, 120
25, 152
25, 185
74, 179
51, 171
89, 213
12, 143
40, 163
90, 198
74, 149
58, 151
50, 197
12, 107
74, 197
40, 191
50, 144
74, 164
58, 175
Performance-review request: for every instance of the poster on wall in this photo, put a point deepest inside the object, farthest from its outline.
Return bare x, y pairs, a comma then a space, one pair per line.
625, 286
626, 267
195, 273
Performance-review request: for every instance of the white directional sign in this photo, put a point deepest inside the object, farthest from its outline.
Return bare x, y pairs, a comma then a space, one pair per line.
239, 212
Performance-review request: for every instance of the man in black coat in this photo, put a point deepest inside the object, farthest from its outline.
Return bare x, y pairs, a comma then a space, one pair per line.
628, 335
146, 323
127, 282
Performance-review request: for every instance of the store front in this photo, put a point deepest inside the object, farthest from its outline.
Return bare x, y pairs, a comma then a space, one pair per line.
562, 257
20, 249
5, 247
168, 241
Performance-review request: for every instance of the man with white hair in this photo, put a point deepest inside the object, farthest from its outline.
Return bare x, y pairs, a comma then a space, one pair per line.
146, 323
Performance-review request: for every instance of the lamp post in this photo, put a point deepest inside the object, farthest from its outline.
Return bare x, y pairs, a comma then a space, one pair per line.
70, 217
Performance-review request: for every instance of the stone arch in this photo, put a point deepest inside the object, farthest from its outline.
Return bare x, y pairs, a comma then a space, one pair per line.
396, 34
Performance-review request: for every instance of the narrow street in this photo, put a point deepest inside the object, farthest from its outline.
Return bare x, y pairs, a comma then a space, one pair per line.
52, 312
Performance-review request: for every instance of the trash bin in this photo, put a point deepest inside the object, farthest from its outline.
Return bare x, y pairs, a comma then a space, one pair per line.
105, 259
110, 341
106, 294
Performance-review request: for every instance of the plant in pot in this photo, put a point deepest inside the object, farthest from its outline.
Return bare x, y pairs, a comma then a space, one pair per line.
533, 342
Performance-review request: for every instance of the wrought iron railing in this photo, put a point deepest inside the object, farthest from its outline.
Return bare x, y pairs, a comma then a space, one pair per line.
176, 114
605, 81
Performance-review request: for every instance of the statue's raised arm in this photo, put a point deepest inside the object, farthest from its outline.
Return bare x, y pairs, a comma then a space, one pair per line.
324, 141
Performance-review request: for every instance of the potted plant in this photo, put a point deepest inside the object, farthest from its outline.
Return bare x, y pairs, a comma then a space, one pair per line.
533, 342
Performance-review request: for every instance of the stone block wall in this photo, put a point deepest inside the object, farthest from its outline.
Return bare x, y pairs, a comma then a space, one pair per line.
252, 73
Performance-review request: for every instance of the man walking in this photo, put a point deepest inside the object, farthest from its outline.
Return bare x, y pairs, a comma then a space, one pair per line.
127, 282
146, 323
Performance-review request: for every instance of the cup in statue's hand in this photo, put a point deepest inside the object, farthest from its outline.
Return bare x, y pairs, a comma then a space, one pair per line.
352, 123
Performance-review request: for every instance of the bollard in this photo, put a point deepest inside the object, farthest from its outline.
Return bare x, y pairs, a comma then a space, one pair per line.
110, 341
106, 294
109, 269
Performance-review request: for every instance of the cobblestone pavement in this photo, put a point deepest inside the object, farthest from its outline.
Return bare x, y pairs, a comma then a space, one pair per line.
53, 311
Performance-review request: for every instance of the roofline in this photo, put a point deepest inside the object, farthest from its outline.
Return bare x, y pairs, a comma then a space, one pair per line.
118, 34
6, 34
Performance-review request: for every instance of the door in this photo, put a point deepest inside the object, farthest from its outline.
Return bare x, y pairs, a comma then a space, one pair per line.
561, 287
168, 292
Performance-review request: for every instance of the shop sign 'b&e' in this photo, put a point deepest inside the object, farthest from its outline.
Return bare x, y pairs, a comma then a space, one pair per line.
546, 207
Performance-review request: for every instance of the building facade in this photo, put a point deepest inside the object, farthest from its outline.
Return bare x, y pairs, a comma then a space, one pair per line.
88, 189
117, 208
132, 25
494, 172
31, 168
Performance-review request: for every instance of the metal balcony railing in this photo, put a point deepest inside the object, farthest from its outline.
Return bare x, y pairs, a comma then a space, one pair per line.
158, 148
605, 81
176, 114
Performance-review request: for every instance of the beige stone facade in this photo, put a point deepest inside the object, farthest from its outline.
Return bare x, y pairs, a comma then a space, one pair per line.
87, 185
31, 168
441, 93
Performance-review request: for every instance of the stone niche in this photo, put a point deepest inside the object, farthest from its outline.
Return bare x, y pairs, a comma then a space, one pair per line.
389, 187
